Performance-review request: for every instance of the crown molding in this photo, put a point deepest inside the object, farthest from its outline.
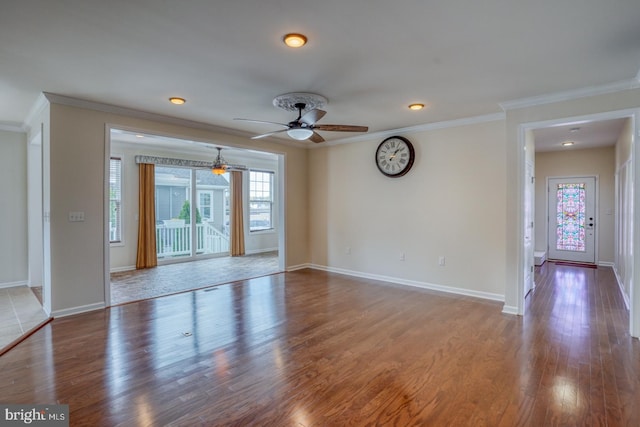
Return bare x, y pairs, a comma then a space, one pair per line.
12, 127
139, 114
420, 128
130, 112
35, 110
569, 95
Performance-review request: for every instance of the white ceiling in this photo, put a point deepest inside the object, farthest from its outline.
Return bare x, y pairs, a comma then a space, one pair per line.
582, 134
137, 140
370, 58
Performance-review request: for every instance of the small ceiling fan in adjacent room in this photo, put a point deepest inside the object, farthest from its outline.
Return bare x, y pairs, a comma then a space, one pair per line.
220, 165
305, 125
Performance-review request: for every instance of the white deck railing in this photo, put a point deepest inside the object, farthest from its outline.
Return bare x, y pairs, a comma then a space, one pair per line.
176, 241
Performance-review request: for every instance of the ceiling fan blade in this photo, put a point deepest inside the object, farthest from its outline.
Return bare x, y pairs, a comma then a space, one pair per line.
312, 116
269, 134
341, 128
315, 137
262, 121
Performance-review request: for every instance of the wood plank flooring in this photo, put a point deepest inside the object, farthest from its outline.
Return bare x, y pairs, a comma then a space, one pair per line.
312, 348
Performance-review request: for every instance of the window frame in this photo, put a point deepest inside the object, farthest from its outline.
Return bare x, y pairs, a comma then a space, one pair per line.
121, 240
271, 202
210, 207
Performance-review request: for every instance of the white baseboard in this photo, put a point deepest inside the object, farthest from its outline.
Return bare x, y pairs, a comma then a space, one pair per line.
605, 264
260, 251
298, 267
625, 297
510, 309
120, 269
13, 284
77, 310
414, 283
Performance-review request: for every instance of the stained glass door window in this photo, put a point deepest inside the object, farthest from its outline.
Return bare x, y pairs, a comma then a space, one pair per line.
571, 215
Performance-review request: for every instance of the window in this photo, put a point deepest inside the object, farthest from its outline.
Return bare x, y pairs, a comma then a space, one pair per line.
205, 202
189, 212
115, 200
571, 212
260, 200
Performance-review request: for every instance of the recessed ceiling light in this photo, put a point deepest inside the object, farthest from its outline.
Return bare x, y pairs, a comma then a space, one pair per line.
416, 107
139, 136
568, 143
295, 40
177, 101
574, 129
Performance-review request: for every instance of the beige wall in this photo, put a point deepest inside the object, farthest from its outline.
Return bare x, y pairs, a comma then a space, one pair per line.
599, 162
13, 209
450, 204
77, 165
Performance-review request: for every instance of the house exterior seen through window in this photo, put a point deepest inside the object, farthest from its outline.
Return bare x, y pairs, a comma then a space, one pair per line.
182, 229
260, 200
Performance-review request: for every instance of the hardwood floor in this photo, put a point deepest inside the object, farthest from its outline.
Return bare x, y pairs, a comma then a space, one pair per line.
312, 348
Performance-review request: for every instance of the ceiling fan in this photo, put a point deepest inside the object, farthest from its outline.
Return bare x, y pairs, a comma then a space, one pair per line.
220, 165
304, 126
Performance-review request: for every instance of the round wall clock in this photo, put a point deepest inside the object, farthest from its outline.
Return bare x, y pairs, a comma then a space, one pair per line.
395, 156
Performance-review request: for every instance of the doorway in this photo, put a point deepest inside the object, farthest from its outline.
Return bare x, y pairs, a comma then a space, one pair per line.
590, 152
572, 219
186, 233
192, 213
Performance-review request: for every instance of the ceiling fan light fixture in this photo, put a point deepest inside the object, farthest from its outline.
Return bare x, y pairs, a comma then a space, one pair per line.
295, 40
219, 164
299, 133
219, 170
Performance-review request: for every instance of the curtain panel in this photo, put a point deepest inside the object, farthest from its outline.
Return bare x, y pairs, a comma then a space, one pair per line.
147, 254
237, 214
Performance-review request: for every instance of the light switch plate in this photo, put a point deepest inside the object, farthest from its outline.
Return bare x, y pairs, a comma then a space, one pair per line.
76, 216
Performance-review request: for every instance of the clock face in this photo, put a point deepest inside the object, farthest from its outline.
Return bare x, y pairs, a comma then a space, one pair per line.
395, 156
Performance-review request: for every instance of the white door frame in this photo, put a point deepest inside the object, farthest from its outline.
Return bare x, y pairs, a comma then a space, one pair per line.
529, 215
634, 114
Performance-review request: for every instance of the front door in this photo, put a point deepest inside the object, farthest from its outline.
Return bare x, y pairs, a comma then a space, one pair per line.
572, 219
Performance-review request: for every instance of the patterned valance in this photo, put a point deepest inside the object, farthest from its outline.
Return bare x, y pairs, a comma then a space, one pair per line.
165, 161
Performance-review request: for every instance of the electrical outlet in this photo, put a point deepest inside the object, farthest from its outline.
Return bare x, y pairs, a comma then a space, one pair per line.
441, 261
401, 256
347, 250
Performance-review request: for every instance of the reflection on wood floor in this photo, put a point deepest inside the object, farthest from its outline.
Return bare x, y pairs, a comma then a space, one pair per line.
311, 348
169, 279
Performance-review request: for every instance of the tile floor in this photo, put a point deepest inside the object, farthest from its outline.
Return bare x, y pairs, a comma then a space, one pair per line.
20, 312
169, 279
